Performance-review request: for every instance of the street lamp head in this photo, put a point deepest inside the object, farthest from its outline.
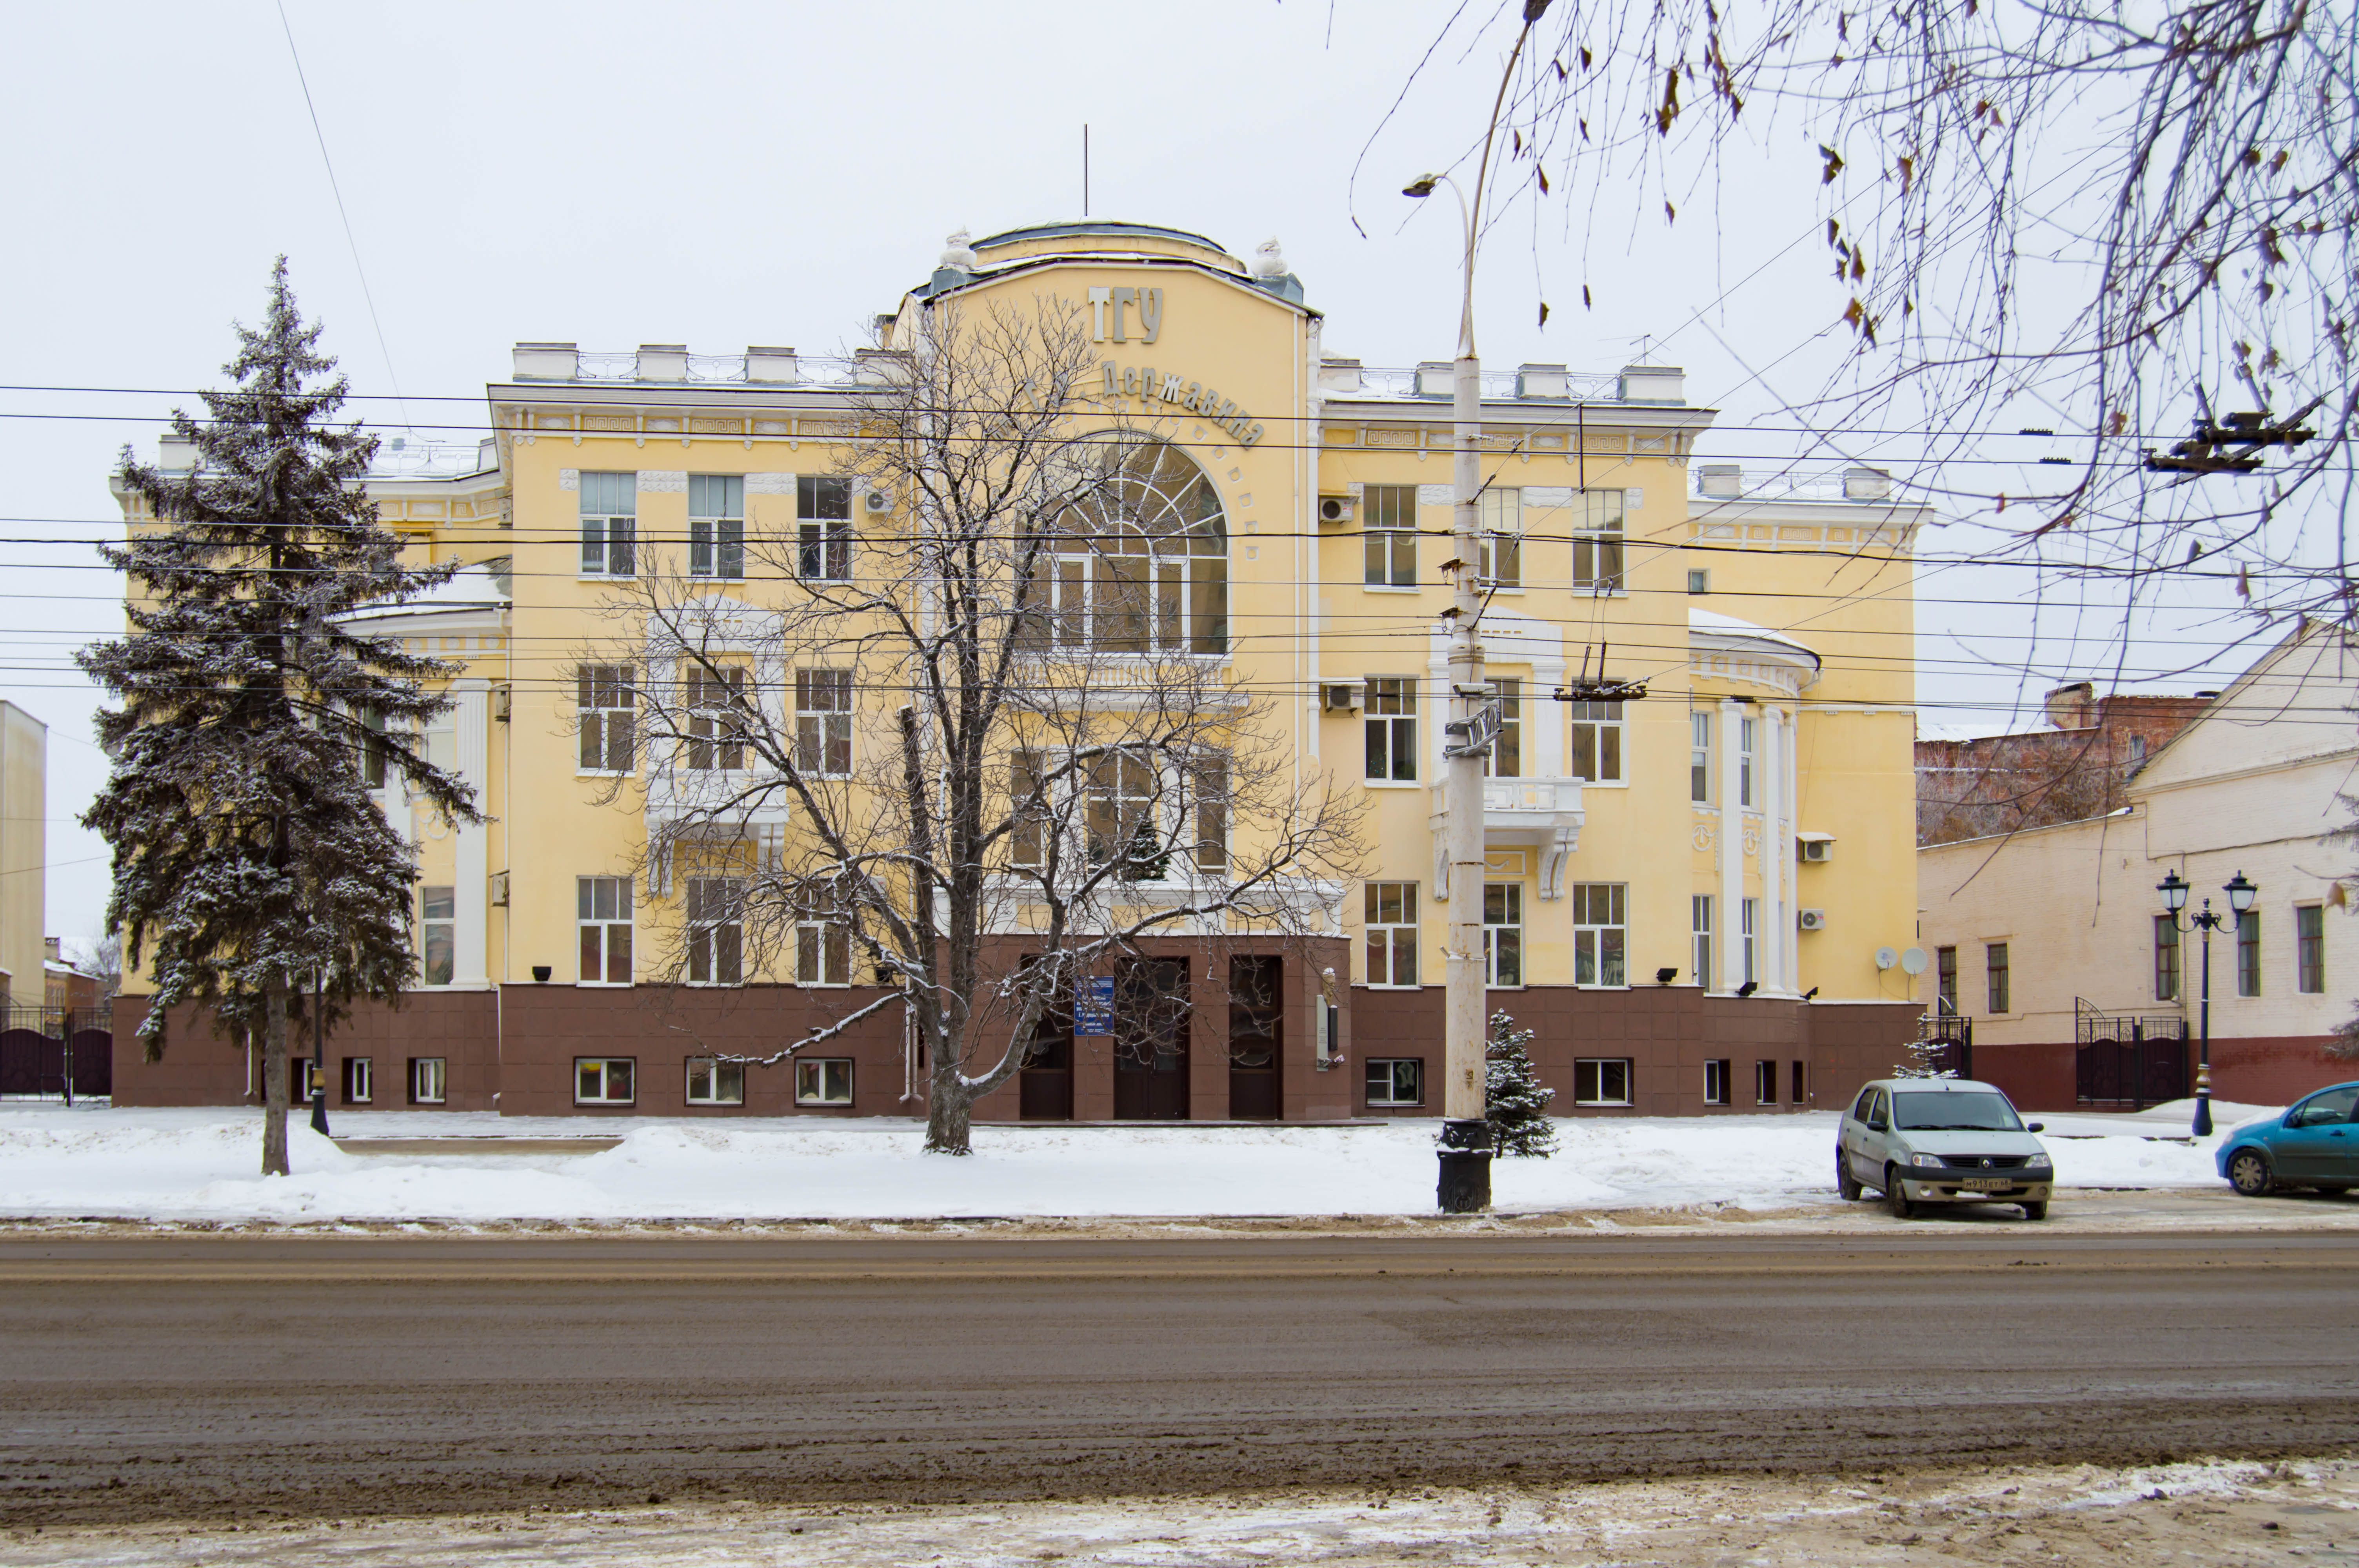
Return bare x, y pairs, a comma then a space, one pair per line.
2240, 893
2173, 891
1421, 187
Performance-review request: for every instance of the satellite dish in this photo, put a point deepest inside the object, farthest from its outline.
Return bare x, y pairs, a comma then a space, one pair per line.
1914, 961
1885, 958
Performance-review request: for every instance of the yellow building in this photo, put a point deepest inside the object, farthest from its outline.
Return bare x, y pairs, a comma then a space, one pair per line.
23, 854
1695, 898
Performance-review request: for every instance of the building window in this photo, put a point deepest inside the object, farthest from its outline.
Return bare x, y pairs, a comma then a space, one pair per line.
716, 525
1210, 779
1749, 914
602, 1080
2248, 952
1027, 843
1118, 817
605, 701
610, 524
1744, 728
1995, 964
1698, 580
1142, 561
823, 1080
823, 951
823, 723
1800, 1082
712, 1081
1395, 1080
603, 910
1389, 535
1764, 1083
716, 728
1699, 756
1602, 1081
438, 936
1392, 728
2310, 948
360, 1086
1945, 983
1597, 741
2137, 748
1389, 921
1601, 932
375, 751
1715, 1081
1506, 758
428, 1081
2166, 957
824, 523
1502, 543
1597, 541
1503, 934
1702, 923
716, 934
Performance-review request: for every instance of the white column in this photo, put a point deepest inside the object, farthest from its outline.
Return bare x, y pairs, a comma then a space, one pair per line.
1787, 846
1731, 912
470, 873
1770, 775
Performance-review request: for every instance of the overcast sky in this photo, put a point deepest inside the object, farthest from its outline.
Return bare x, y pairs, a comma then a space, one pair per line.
721, 175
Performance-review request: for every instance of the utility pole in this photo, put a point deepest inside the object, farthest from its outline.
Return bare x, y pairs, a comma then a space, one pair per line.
1465, 1182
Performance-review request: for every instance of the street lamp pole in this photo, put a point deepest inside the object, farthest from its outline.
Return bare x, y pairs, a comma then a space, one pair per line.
2241, 894
318, 1054
1464, 1186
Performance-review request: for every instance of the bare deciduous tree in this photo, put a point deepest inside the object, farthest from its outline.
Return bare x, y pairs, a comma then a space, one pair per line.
982, 740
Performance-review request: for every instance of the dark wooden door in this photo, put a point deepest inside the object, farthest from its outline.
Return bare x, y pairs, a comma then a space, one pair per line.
1151, 1042
1254, 1037
1045, 1085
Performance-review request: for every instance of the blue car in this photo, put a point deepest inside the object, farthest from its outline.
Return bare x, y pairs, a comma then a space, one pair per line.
2314, 1144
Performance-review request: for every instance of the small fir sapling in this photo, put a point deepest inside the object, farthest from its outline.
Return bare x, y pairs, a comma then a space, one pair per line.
253, 723
1927, 1059
1515, 1104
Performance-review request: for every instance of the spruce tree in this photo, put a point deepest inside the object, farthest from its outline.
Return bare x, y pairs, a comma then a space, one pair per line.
247, 853
1515, 1104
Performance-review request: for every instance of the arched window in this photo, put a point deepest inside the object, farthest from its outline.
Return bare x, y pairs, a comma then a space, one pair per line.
1141, 561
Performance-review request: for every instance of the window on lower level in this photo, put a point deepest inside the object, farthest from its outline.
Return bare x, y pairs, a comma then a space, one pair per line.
715, 932
1764, 1083
1715, 1081
1503, 934
823, 1080
1395, 1080
438, 935
2166, 957
603, 915
1388, 921
712, 1081
2310, 948
429, 1080
604, 1080
1996, 966
822, 951
2248, 952
1601, 1080
1801, 1082
1601, 934
359, 1085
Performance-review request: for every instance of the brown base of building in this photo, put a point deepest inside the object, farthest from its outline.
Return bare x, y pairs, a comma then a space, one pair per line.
2275, 1070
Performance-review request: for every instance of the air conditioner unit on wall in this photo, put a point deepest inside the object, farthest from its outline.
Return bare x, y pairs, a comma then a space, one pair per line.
879, 500
1335, 509
1342, 696
1816, 849
1814, 920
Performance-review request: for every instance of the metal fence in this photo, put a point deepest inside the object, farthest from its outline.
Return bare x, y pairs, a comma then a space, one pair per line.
1948, 1043
56, 1053
2128, 1059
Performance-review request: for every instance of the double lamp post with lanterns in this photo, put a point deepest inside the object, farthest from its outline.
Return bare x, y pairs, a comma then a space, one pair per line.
2240, 893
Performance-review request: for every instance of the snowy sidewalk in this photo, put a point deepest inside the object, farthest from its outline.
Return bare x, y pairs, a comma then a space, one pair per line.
93, 1162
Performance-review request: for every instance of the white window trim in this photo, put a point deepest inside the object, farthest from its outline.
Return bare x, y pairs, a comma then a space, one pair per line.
688, 1080
577, 1062
1629, 1082
1394, 1104
850, 1082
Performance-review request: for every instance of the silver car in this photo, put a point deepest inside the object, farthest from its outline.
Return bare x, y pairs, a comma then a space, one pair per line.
1923, 1141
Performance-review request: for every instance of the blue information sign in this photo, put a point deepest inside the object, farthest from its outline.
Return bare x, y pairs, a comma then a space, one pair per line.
1094, 1008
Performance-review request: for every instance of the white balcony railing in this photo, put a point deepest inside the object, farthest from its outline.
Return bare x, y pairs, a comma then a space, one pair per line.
1543, 813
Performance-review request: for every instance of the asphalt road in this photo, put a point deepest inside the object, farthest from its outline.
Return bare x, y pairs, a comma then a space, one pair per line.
243, 1377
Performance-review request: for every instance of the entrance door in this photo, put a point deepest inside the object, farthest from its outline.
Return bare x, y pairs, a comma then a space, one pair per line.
1253, 1037
1150, 1041
1045, 1085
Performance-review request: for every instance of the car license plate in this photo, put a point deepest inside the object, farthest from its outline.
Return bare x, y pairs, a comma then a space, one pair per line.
1987, 1183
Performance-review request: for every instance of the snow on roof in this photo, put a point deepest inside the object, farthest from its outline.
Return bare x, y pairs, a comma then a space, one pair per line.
1714, 623
1978, 730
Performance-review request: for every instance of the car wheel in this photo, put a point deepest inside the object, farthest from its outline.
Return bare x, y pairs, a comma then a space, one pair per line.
2248, 1173
2034, 1211
1847, 1186
1895, 1197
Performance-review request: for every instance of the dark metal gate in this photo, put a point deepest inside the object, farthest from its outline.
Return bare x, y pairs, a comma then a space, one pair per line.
1947, 1044
2129, 1060
51, 1052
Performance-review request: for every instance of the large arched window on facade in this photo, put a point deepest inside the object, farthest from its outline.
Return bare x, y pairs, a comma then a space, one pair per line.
1140, 564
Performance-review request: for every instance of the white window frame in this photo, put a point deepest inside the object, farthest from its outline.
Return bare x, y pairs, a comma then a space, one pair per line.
716, 731
1749, 917
1389, 535
1393, 938
610, 530
1591, 901
617, 895
1499, 525
609, 1072
433, 928
1503, 969
1765, 1081
714, 912
429, 1080
1715, 1082
822, 543
2304, 972
712, 1081
716, 526
823, 699
1590, 1077
817, 1081
602, 692
822, 951
1600, 559
1391, 1066
360, 1081
1504, 760
1601, 724
1699, 756
1700, 918
1390, 710
1746, 728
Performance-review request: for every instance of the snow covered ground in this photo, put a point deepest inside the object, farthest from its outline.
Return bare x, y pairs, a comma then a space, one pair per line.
199, 1164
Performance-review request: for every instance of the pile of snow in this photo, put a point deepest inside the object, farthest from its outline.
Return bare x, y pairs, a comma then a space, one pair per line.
200, 1165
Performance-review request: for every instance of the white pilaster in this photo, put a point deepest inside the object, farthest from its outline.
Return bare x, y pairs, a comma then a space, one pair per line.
1789, 848
1730, 915
1769, 772
470, 871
